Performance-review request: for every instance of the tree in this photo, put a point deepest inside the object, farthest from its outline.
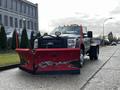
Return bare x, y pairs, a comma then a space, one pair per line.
38, 34
110, 37
3, 38
24, 40
32, 39
15, 40
115, 39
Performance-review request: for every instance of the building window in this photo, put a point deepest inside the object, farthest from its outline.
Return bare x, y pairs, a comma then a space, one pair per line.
0, 19
24, 23
20, 23
16, 5
36, 12
6, 20
16, 23
28, 24
28, 10
35, 25
24, 8
11, 7
5, 4
31, 25
0, 2
11, 21
32, 11
20, 6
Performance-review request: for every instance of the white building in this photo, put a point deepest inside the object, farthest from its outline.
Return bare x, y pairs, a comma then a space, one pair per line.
17, 14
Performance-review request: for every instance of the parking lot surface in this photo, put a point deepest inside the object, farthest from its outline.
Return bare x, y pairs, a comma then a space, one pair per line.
16, 79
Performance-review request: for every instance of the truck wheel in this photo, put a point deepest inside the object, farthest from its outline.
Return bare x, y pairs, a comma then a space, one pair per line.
81, 58
94, 53
91, 57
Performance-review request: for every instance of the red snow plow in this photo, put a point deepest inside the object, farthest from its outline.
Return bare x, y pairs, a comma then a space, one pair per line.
50, 61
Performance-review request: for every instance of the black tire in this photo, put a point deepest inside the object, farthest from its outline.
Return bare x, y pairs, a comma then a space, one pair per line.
94, 53
97, 53
91, 57
81, 58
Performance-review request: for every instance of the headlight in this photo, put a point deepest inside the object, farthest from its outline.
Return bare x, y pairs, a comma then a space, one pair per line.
71, 43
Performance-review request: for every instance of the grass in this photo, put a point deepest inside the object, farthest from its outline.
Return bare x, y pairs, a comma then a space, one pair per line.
8, 58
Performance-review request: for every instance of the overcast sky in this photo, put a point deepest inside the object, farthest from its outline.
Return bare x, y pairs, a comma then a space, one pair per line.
91, 13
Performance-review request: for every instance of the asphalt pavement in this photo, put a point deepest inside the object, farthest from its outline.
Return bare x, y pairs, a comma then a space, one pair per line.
108, 77
103, 74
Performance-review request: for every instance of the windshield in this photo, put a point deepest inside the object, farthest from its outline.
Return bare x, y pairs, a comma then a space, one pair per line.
67, 30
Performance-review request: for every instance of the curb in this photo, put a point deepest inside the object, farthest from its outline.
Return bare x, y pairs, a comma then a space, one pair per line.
9, 67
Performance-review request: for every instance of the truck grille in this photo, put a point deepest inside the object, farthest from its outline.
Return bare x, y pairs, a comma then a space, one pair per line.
52, 42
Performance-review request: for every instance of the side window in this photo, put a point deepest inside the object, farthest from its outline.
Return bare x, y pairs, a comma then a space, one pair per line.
85, 31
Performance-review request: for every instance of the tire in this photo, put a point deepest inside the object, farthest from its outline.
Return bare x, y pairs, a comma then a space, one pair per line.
97, 53
94, 53
91, 57
81, 58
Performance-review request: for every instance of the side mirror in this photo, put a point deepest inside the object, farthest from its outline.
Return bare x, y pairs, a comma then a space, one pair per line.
90, 34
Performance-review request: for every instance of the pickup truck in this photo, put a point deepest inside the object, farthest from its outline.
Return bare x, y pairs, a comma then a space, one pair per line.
61, 51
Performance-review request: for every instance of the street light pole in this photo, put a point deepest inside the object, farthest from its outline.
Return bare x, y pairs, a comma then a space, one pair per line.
104, 28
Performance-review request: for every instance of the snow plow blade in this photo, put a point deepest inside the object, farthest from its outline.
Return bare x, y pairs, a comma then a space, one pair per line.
50, 61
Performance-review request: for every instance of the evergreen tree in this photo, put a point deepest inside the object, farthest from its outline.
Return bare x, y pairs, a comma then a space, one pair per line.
32, 39
115, 38
110, 37
3, 38
15, 41
38, 34
24, 40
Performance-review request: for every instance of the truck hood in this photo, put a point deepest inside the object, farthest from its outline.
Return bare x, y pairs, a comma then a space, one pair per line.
70, 35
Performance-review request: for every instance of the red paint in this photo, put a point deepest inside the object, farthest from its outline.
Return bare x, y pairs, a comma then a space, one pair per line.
54, 55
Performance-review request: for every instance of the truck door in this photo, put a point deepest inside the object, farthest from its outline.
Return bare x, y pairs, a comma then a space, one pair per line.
86, 39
